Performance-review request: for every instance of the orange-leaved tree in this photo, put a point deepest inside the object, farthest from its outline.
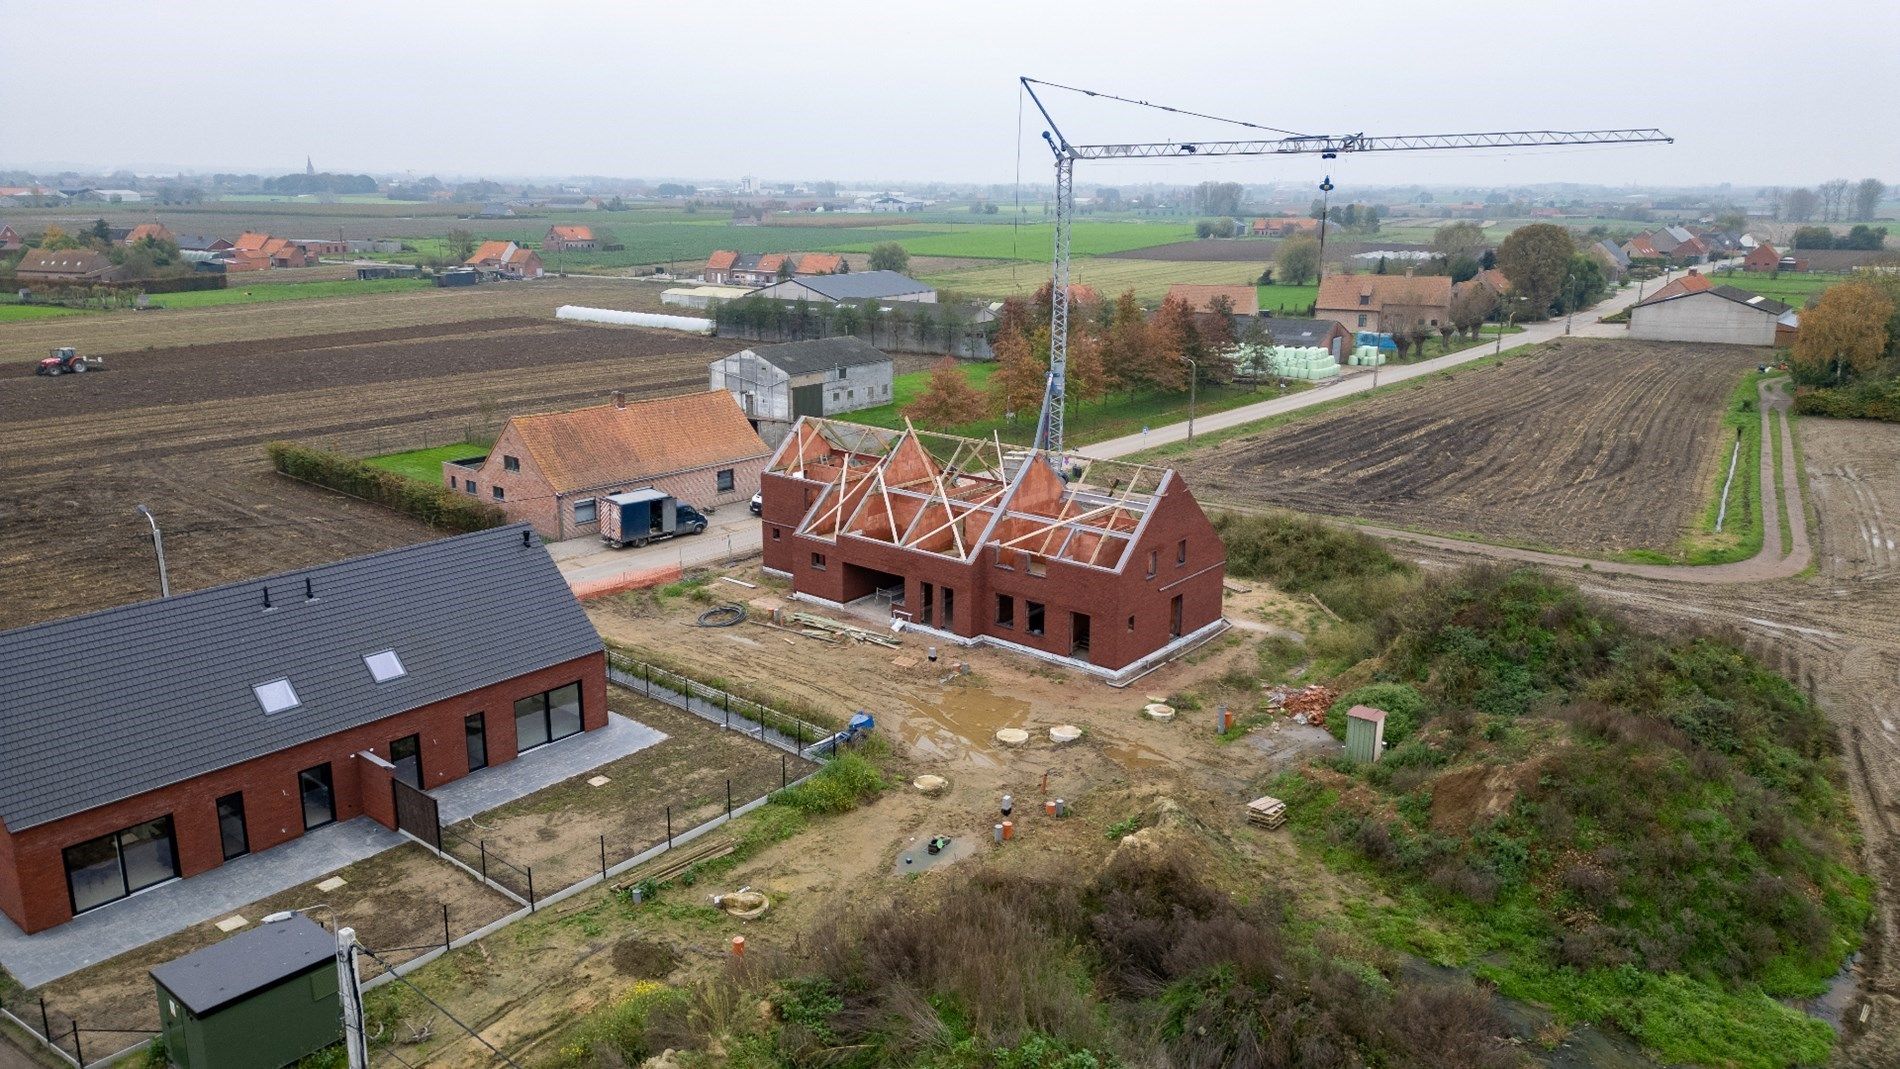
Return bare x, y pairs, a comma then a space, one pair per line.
1845, 331
948, 399
1017, 386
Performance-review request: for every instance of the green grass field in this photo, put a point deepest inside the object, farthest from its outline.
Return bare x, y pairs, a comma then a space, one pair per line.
425, 465
1116, 415
1031, 241
15, 313
238, 293
1284, 300
1149, 279
1788, 289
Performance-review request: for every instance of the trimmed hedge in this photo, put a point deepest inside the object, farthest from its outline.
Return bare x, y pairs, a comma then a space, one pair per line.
1868, 400
436, 506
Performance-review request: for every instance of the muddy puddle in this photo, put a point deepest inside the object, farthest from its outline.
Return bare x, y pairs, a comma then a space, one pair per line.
961, 724
916, 856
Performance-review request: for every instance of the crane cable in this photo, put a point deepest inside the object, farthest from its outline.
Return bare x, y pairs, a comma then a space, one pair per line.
1161, 107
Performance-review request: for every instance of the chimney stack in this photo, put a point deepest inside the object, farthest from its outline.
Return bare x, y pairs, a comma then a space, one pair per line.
620, 398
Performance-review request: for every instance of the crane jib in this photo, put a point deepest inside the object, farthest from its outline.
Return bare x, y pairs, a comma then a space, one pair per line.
1049, 427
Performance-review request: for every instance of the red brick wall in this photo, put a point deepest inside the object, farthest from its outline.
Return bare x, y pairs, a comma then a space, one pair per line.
1109, 598
527, 495
33, 881
372, 781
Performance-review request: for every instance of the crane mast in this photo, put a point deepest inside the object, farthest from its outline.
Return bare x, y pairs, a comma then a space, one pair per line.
1049, 426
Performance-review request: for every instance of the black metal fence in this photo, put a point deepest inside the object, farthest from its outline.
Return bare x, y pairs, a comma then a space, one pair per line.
728, 710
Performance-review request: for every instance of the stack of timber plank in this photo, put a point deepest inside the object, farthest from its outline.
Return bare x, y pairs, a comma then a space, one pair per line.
1266, 811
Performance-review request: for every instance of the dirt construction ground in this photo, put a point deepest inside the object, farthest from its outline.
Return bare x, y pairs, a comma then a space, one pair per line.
1596, 446
559, 831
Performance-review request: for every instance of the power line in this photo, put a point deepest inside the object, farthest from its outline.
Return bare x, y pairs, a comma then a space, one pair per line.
439, 1008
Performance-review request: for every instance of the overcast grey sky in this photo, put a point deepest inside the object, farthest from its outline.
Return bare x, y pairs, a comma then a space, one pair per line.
1754, 92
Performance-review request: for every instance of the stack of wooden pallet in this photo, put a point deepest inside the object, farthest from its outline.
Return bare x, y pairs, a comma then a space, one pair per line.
1266, 811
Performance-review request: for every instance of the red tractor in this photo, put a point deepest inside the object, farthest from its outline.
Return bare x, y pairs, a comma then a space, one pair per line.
65, 359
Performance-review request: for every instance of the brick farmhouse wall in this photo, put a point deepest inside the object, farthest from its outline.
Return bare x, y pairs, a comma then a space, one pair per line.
528, 496
33, 889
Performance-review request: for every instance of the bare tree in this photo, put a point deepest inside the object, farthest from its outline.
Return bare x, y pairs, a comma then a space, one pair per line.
1867, 194
1801, 204
1774, 195
1833, 198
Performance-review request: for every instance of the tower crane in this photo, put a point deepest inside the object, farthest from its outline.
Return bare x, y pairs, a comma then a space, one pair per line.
1283, 143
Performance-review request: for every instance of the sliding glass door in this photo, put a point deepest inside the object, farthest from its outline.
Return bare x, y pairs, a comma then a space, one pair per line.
113, 866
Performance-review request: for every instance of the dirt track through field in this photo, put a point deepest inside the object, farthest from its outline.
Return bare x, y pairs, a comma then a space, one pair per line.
1592, 445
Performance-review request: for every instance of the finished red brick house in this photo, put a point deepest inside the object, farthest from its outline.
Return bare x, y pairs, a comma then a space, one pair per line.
551, 469
155, 741
1104, 566
1762, 257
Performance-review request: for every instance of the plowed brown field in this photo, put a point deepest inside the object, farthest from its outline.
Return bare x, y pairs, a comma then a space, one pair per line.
1595, 445
182, 430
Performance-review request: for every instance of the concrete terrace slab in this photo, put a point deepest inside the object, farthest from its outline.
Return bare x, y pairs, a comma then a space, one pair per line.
112, 930
542, 767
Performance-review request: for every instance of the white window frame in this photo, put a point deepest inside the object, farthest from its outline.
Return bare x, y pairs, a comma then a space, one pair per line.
271, 695
380, 664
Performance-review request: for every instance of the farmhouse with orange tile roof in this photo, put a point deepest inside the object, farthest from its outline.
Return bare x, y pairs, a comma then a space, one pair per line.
552, 468
1385, 302
565, 238
506, 259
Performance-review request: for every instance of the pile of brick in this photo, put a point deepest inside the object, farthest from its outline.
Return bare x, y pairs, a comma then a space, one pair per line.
1307, 705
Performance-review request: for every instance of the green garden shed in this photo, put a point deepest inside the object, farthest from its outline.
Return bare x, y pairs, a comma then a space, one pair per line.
259, 1000
1365, 733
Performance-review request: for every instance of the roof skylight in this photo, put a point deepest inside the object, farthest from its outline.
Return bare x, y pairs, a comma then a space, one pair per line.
276, 696
384, 666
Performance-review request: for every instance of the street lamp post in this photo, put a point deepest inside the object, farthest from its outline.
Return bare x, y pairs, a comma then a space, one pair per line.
1194, 380
158, 543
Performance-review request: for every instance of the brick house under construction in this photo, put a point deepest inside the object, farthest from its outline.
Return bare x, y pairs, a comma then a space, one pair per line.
1111, 569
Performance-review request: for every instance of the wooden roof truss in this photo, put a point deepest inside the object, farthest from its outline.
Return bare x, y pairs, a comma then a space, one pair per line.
951, 496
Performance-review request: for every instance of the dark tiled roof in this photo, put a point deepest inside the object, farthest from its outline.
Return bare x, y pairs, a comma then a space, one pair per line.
864, 285
214, 977
823, 354
105, 706
1286, 331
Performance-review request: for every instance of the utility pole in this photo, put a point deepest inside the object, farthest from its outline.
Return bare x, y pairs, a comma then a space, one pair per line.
158, 543
1194, 382
350, 994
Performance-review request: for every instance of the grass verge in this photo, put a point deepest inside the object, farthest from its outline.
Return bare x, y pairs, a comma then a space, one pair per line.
1742, 533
